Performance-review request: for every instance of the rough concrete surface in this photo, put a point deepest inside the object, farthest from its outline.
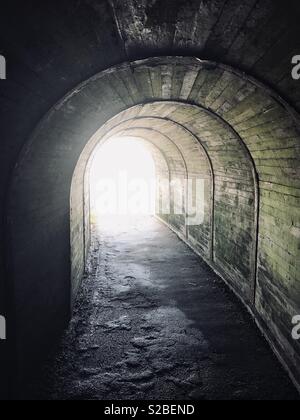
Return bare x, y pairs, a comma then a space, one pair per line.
152, 321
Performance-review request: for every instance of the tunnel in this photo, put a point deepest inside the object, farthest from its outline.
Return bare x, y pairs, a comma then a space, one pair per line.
206, 87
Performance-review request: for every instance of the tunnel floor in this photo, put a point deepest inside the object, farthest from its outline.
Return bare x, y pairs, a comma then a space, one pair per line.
153, 321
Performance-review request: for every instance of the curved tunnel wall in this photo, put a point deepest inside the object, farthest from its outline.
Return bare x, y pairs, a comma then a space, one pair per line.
238, 131
228, 235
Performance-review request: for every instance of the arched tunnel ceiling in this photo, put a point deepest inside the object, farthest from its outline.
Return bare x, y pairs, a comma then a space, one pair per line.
168, 119
243, 105
241, 114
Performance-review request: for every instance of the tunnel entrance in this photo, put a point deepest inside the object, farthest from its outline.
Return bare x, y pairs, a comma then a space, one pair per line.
122, 181
200, 121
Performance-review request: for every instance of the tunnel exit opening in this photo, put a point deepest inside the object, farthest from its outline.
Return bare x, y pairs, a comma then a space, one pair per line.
122, 182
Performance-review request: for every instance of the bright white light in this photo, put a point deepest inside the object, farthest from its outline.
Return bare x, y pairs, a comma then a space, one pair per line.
122, 179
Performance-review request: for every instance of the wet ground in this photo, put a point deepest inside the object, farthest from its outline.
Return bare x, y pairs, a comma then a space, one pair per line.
153, 321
